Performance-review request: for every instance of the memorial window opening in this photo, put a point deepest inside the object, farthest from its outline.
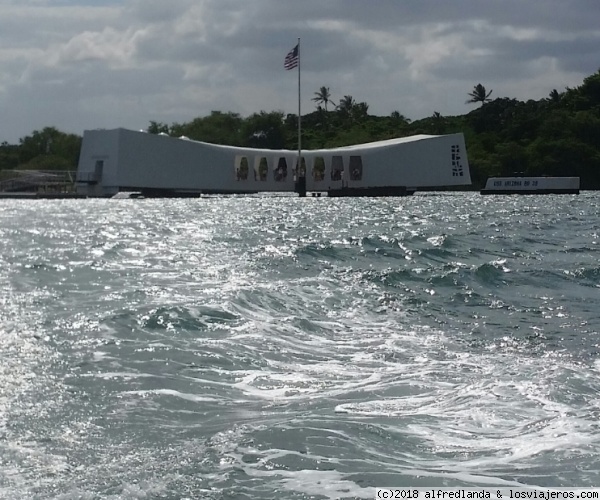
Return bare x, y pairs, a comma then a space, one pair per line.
261, 170
241, 168
356, 168
337, 168
301, 172
319, 169
281, 170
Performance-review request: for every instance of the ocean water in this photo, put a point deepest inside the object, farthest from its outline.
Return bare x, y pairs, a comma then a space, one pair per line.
285, 348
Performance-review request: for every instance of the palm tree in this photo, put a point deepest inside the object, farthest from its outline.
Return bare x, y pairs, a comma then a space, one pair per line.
399, 117
346, 104
438, 122
347, 108
361, 110
323, 96
479, 94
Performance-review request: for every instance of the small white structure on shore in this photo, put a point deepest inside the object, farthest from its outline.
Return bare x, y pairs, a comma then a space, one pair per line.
531, 185
159, 165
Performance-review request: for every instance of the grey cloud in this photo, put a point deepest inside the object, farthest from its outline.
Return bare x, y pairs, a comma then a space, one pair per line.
156, 11
94, 64
569, 53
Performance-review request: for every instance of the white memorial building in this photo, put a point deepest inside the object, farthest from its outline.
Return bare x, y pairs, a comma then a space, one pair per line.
159, 165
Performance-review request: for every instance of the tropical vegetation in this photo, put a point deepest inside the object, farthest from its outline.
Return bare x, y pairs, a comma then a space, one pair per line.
479, 94
555, 135
323, 96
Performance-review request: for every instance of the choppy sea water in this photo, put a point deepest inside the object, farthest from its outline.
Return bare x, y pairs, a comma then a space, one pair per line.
267, 348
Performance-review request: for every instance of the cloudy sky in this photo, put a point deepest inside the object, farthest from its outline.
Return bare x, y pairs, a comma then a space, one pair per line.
84, 64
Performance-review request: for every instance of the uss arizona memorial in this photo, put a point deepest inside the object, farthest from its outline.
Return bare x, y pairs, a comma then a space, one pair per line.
159, 165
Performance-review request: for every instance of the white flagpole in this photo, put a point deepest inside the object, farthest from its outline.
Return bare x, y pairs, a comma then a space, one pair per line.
299, 119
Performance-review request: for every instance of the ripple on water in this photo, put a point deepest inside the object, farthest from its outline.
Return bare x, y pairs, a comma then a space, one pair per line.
258, 347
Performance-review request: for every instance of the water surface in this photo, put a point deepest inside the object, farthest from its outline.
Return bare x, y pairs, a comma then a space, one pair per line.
264, 347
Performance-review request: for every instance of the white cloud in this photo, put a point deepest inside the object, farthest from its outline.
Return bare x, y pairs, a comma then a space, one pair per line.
116, 48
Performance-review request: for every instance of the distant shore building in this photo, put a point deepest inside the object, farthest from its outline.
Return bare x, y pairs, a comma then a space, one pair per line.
159, 165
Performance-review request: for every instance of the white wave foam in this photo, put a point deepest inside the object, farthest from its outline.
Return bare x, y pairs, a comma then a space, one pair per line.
170, 392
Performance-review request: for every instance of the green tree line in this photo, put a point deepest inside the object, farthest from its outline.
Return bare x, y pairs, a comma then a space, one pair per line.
47, 149
555, 135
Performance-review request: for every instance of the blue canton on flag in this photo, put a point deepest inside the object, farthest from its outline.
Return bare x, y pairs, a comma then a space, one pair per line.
291, 60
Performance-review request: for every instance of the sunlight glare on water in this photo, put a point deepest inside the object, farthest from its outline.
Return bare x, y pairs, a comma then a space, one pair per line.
264, 347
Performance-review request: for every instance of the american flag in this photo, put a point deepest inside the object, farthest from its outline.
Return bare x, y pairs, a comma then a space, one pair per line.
291, 60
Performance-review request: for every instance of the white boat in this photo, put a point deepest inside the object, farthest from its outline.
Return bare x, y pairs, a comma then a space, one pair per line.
531, 185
